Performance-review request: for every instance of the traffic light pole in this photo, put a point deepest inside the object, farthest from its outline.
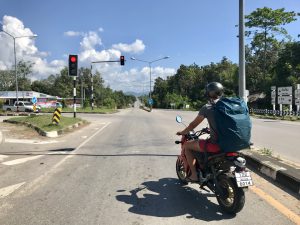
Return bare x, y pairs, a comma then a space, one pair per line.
74, 96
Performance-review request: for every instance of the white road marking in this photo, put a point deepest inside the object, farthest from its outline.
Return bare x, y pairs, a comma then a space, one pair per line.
19, 161
25, 141
84, 137
10, 189
30, 187
58, 152
2, 157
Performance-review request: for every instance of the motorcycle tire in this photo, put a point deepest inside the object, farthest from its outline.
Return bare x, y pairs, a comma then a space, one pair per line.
181, 174
233, 198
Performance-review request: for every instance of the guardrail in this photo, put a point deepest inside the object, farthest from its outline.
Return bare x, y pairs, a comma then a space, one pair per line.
274, 112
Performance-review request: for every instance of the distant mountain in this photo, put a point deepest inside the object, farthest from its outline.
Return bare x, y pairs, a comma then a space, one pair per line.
137, 94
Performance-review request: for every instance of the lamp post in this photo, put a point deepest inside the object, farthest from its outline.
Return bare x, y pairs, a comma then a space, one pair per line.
15, 56
150, 63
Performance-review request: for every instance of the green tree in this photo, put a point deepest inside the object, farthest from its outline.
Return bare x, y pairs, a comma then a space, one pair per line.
264, 25
24, 69
287, 69
7, 79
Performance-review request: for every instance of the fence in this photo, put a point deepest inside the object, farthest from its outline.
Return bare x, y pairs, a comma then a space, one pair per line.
274, 112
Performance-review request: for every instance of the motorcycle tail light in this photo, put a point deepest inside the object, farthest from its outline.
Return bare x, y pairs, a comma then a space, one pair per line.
232, 154
240, 162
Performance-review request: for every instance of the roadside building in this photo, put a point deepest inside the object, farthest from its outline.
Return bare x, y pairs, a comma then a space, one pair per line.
43, 100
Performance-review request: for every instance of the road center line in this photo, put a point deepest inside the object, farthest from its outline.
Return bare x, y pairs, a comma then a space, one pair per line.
277, 205
10, 189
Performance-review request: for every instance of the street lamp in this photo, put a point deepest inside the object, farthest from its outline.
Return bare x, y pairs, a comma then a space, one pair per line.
14, 38
149, 63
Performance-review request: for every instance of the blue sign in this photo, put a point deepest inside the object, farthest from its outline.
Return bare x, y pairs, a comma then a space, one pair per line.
33, 100
150, 101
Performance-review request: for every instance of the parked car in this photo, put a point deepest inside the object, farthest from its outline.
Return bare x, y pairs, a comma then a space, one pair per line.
21, 107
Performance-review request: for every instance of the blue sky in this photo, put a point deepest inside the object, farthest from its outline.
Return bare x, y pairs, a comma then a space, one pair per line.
195, 31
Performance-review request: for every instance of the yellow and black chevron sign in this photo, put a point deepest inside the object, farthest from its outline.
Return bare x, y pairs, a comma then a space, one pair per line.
56, 116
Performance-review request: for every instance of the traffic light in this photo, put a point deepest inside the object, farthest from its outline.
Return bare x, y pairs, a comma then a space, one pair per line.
73, 65
122, 60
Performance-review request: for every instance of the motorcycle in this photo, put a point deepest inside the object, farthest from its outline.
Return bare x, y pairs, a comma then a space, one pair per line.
225, 174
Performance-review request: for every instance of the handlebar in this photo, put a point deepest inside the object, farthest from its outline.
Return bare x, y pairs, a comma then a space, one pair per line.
195, 135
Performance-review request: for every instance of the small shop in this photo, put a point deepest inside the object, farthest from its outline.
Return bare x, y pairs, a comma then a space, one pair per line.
43, 100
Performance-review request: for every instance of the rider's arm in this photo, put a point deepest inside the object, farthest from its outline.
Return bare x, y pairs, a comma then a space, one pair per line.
192, 125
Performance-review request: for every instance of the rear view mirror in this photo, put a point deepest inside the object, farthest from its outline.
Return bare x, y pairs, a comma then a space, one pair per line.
178, 119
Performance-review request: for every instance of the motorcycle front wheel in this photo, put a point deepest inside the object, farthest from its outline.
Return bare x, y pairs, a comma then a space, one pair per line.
180, 171
232, 198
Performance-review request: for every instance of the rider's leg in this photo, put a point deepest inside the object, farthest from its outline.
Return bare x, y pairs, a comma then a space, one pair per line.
189, 147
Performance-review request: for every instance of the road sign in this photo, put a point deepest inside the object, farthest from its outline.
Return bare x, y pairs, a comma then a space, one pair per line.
150, 101
285, 91
285, 100
297, 101
273, 101
34, 100
297, 93
273, 93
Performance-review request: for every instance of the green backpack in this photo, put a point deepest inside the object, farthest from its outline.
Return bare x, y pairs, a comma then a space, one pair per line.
233, 124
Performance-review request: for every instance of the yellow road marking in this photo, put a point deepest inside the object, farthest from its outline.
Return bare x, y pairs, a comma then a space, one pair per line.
281, 208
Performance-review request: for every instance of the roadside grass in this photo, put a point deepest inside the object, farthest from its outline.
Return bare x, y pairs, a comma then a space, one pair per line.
266, 151
44, 122
86, 110
274, 117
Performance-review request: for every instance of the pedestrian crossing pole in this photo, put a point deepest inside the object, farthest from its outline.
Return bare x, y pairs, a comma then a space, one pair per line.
74, 95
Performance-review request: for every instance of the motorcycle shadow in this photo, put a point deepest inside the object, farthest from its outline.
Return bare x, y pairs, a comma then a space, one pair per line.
167, 197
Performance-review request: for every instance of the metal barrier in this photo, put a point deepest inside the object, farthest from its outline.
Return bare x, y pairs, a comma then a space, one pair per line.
274, 112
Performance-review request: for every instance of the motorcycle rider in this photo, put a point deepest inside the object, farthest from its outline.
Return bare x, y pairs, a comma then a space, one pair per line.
214, 91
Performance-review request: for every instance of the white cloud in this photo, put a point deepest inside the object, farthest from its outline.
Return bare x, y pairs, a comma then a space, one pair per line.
136, 47
90, 41
134, 79
114, 75
25, 50
73, 33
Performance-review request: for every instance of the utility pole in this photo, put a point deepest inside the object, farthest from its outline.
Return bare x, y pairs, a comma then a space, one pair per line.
242, 76
92, 95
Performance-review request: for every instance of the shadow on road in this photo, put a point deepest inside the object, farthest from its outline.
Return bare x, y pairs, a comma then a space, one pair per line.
67, 151
168, 198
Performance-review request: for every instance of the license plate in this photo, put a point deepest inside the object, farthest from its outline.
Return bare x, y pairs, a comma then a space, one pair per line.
243, 179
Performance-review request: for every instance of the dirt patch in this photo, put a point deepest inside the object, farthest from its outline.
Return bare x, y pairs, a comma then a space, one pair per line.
19, 132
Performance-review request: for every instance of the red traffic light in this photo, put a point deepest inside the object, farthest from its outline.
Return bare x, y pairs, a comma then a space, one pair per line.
122, 60
73, 65
73, 59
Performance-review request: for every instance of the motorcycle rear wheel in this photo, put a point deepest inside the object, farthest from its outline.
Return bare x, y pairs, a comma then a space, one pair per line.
233, 198
180, 171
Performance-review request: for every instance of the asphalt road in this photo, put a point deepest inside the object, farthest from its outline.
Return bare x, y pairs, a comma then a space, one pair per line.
118, 170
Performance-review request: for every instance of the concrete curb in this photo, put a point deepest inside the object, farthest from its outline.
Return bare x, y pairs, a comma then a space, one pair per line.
50, 134
41, 113
17, 114
282, 173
